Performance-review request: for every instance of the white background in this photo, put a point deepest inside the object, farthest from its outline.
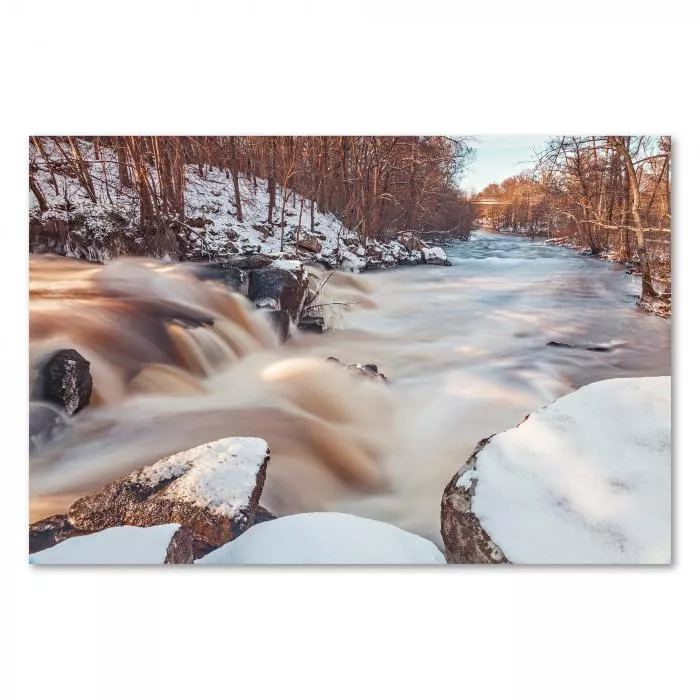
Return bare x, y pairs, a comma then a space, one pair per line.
354, 67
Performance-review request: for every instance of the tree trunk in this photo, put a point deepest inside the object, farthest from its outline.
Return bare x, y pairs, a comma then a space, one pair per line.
234, 177
271, 185
647, 283
322, 204
123, 165
301, 209
34, 187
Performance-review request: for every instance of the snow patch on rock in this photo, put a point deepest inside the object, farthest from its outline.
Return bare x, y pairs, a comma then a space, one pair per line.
325, 538
115, 545
435, 256
218, 476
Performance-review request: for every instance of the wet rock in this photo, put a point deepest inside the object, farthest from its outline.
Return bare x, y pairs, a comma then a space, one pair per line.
370, 371
466, 541
46, 421
312, 324
213, 490
168, 543
590, 348
251, 262
225, 272
64, 379
281, 286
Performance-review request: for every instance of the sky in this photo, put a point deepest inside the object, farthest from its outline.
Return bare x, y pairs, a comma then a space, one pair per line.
499, 157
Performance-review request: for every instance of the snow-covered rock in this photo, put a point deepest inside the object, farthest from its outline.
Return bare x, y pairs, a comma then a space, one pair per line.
325, 538
161, 544
212, 489
435, 256
584, 480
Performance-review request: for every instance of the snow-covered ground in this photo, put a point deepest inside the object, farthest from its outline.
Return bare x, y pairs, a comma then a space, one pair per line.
585, 480
115, 545
325, 538
210, 228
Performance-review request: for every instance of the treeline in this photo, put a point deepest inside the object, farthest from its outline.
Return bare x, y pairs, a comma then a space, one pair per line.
610, 194
378, 185
517, 204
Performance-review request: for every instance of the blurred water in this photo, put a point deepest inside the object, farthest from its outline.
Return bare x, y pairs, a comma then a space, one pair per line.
466, 349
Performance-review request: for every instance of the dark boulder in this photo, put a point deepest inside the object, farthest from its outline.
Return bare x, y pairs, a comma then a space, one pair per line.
254, 261
225, 272
312, 323
282, 286
64, 379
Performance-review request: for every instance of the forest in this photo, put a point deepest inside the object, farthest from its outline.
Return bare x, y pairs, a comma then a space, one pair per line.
608, 195
376, 185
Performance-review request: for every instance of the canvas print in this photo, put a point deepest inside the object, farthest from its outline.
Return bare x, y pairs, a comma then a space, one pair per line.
304, 350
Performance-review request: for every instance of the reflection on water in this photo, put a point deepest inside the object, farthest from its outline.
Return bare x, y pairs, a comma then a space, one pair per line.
465, 348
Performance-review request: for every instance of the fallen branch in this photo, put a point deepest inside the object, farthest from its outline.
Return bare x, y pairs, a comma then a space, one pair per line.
332, 303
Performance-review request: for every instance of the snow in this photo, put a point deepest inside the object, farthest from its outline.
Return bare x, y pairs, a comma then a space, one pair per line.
434, 254
325, 538
219, 476
268, 303
290, 265
209, 197
585, 480
115, 545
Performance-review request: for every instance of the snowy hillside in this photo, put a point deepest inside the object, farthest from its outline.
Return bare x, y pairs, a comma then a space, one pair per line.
210, 230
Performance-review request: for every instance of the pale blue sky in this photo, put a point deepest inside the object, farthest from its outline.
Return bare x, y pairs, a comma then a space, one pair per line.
499, 157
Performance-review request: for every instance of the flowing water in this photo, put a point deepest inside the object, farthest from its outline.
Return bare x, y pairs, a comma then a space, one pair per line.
469, 350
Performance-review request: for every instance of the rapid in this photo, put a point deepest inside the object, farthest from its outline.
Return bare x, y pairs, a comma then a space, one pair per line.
469, 350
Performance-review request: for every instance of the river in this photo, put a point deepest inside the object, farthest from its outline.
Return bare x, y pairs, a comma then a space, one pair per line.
469, 350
